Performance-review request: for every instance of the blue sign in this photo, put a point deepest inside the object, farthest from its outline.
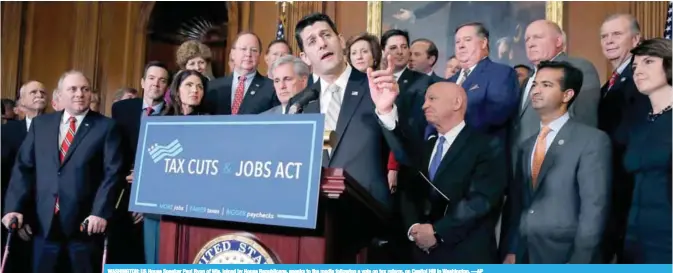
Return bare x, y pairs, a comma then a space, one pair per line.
262, 169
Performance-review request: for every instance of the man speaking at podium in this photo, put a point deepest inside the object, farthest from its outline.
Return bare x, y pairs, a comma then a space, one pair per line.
344, 99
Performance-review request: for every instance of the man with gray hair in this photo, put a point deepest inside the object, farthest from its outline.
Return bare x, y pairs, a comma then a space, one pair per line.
620, 100
290, 76
54, 101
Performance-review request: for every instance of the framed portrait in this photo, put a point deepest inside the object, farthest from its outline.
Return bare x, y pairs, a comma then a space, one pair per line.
437, 21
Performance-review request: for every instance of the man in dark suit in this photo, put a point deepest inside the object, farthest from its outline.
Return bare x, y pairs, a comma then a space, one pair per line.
245, 91
620, 102
127, 113
492, 88
561, 192
33, 101
424, 56
70, 162
345, 101
454, 222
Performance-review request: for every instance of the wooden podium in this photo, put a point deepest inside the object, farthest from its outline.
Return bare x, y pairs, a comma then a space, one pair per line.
348, 217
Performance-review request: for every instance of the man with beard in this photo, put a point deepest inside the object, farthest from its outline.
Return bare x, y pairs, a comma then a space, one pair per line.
127, 113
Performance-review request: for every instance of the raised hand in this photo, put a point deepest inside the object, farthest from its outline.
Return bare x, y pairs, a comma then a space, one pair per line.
383, 87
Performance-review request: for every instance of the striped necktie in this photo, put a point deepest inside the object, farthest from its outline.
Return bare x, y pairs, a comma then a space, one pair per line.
65, 146
332, 113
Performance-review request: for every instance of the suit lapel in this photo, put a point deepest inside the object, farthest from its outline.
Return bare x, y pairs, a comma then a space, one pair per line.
526, 174
353, 95
225, 95
554, 149
82, 131
55, 127
524, 99
429, 145
250, 95
481, 65
454, 151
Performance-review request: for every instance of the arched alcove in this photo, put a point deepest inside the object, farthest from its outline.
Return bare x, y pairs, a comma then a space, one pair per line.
171, 23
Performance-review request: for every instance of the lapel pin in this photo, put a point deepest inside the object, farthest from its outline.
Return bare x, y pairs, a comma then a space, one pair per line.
405, 81
252, 93
256, 85
86, 124
560, 142
622, 79
354, 93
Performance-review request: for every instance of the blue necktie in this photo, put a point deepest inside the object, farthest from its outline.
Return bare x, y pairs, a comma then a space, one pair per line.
437, 159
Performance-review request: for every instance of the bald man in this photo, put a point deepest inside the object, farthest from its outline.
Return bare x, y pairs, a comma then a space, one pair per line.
450, 189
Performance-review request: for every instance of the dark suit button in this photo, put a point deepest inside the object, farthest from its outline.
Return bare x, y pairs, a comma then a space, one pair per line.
59, 173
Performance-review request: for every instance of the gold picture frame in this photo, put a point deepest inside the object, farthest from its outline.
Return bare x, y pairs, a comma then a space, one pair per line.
553, 12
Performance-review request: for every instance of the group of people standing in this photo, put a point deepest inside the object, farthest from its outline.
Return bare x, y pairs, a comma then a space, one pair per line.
550, 157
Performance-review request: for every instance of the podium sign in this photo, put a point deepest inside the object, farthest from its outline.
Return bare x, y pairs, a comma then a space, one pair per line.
262, 169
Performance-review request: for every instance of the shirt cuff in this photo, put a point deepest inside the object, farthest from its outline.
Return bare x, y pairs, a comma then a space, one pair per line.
411, 238
389, 120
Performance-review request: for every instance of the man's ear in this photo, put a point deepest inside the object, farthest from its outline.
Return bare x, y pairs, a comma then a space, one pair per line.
568, 95
304, 58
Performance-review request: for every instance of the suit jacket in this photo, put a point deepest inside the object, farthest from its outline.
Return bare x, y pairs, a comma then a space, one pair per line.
87, 182
13, 134
259, 97
492, 96
276, 110
434, 78
619, 104
413, 86
471, 175
360, 148
563, 219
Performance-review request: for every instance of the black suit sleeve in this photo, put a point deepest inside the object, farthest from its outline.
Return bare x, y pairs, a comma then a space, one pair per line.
22, 181
403, 149
485, 193
104, 202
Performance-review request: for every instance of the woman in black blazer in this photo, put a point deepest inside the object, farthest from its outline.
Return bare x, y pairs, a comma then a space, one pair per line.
648, 158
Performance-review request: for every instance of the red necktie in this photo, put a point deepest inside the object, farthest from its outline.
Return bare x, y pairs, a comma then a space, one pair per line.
238, 96
65, 145
612, 80
149, 111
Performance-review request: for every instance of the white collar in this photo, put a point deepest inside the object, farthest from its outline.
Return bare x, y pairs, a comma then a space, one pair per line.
558, 123
621, 67
341, 81
398, 74
79, 118
453, 133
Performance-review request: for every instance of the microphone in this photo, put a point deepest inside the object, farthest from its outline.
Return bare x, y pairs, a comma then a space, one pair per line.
303, 98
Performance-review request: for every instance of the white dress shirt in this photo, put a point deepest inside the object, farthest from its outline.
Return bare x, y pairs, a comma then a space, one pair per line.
554, 127
398, 74
65, 124
341, 82
28, 122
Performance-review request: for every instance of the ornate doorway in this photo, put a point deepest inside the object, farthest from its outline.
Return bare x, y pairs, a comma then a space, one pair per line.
172, 23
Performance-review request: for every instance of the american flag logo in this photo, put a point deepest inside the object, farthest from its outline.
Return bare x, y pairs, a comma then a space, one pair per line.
280, 33
667, 28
